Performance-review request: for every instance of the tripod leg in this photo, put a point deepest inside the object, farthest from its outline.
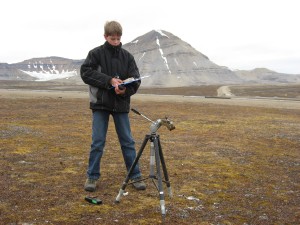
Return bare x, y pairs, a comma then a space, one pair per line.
159, 177
152, 160
122, 190
162, 159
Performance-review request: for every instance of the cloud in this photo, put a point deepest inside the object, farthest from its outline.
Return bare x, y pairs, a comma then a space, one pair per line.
230, 31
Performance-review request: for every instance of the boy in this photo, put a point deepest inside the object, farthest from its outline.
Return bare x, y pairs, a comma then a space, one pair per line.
104, 70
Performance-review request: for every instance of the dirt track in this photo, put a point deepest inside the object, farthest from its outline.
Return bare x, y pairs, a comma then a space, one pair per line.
224, 91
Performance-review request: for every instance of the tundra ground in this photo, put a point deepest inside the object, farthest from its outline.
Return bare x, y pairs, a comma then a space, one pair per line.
228, 164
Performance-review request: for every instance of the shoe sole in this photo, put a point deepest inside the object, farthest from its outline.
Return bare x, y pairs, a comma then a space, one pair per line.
139, 188
90, 189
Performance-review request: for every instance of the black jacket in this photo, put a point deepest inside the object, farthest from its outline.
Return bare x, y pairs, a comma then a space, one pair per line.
101, 65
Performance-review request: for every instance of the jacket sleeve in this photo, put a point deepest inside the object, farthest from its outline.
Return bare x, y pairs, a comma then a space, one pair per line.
133, 71
91, 74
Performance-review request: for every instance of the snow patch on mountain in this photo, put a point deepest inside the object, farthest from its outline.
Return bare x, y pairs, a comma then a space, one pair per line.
162, 55
162, 33
142, 56
52, 75
49, 68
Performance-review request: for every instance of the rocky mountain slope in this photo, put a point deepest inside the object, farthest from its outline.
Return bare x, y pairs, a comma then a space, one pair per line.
166, 61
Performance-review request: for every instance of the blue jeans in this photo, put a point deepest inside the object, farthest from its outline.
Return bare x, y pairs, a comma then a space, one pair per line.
122, 126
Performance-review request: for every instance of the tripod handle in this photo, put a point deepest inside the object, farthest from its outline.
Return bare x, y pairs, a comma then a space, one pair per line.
135, 111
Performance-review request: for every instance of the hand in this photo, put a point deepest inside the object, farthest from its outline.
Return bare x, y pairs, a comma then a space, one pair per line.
120, 91
116, 82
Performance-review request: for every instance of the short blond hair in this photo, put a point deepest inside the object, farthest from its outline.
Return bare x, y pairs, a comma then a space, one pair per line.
112, 28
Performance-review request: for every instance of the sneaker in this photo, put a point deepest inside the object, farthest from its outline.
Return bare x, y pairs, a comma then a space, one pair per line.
90, 185
138, 184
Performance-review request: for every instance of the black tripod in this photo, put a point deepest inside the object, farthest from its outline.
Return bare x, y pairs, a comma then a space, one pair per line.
156, 160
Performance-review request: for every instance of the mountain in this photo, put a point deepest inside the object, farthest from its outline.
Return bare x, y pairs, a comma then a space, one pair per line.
166, 61
169, 61
41, 69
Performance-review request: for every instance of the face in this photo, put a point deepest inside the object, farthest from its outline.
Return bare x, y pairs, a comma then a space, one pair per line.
114, 40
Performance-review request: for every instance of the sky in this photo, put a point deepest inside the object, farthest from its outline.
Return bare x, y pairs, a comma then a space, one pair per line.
238, 34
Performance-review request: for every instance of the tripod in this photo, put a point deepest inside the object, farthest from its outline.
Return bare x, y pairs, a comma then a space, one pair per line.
156, 160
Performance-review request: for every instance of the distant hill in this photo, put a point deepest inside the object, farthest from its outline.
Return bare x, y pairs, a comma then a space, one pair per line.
165, 59
266, 76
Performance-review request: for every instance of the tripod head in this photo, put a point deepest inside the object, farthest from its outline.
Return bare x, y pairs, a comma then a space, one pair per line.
158, 123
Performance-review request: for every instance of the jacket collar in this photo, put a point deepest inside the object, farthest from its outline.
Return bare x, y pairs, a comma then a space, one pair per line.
113, 48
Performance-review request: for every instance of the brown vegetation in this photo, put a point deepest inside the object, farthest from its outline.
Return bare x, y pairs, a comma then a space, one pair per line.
227, 164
